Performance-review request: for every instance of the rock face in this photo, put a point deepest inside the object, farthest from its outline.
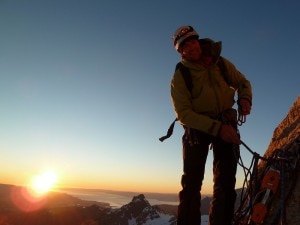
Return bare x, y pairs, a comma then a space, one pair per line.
272, 194
288, 130
286, 137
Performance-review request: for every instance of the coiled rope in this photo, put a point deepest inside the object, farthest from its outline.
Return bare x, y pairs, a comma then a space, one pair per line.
283, 160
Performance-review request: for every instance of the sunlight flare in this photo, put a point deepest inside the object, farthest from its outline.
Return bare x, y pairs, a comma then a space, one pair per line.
44, 182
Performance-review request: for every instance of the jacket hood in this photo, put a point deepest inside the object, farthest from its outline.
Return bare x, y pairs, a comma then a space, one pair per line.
211, 48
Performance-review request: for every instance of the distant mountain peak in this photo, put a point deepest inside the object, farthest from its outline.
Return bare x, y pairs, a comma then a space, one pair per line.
138, 209
138, 199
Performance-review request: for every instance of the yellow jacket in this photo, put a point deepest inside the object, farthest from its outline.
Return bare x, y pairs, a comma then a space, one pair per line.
211, 94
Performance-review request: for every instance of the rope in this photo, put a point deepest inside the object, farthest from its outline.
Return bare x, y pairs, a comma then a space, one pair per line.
280, 160
287, 163
249, 187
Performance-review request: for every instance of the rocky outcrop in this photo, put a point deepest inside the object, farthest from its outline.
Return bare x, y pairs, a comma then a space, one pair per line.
287, 131
285, 205
272, 194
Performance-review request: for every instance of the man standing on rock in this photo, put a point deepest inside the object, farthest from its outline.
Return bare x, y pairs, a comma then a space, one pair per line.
204, 108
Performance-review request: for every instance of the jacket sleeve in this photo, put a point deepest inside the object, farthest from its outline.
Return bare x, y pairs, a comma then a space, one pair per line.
181, 98
238, 81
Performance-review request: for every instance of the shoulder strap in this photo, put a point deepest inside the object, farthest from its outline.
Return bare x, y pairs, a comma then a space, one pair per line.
223, 69
186, 74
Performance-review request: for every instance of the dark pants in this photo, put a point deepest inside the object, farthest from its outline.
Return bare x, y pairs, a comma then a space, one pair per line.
224, 169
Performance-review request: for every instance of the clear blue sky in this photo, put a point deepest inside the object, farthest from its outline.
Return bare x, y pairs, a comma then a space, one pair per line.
84, 85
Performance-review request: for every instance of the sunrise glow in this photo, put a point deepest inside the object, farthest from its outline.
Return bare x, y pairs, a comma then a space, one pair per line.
44, 182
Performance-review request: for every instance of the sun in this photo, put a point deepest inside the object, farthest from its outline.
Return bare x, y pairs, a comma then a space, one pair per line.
44, 182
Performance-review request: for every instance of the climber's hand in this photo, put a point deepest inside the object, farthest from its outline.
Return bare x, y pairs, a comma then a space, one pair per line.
244, 106
229, 134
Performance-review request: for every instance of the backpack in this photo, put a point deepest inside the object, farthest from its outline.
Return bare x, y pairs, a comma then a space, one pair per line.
189, 84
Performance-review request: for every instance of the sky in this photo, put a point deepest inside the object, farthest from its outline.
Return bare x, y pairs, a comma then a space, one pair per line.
85, 85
